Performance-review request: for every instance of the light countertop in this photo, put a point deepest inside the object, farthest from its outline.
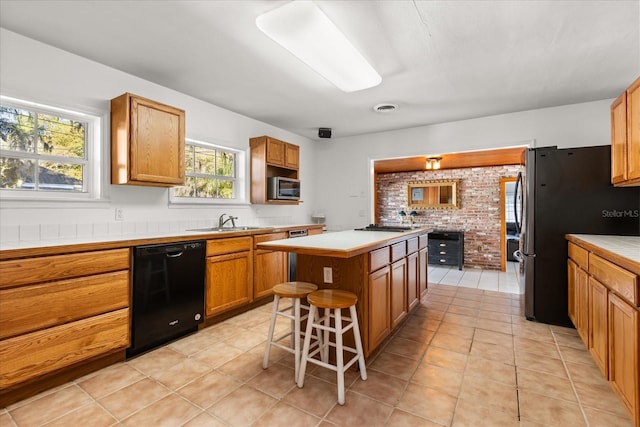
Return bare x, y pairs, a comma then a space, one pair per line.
341, 244
623, 250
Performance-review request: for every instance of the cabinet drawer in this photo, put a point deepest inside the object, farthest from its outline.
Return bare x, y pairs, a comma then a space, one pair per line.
227, 246
31, 355
443, 259
423, 241
412, 245
260, 238
615, 278
579, 255
379, 258
43, 269
438, 245
398, 251
29, 308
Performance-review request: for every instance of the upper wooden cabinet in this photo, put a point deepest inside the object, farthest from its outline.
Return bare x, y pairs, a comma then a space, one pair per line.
147, 142
271, 157
625, 137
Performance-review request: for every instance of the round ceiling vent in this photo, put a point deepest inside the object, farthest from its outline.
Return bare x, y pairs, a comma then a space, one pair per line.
385, 108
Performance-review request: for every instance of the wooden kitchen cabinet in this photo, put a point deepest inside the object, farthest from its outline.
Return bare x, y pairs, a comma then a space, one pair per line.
413, 273
598, 333
578, 281
423, 265
270, 267
612, 310
271, 157
60, 311
398, 283
625, 137
379, 306
624, 346
147, 142
228, 274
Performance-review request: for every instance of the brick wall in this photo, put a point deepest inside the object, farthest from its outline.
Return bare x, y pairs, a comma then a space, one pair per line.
478, 216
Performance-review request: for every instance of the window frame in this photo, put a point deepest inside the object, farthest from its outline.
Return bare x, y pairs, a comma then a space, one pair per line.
240, 181
94, 169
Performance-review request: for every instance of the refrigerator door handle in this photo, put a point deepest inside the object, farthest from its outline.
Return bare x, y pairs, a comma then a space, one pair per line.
520, 256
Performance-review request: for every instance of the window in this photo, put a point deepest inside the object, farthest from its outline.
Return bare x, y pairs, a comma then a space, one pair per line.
214, 174
47, 153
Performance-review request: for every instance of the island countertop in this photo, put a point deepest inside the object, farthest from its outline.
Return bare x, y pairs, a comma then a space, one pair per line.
341, 244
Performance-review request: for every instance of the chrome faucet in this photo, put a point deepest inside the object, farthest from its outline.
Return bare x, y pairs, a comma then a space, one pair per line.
222, 221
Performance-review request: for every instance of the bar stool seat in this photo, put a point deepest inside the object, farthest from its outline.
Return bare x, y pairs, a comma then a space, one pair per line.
332, 301
296, 291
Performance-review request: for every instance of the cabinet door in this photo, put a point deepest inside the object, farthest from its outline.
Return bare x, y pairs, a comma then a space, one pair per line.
292, 156
269, 268
619, 139
228, 282
623, 353
398, 292
157, 143
633, 131
578, 299
413, 293
598, 334
275, 152
423, 268
572, 296
379, 323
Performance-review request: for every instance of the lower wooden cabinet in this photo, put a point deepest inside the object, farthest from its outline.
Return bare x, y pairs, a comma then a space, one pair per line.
379, 306
423, 268
229, 283
623, 354
578, 283
598, 334
26, 357
605, 308
413, 273
398, 292
60, 311
269, 267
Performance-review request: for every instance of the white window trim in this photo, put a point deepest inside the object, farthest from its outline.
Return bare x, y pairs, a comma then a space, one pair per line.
97, 172
241, 180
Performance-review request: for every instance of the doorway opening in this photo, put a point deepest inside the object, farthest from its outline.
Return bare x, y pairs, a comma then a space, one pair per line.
509, 235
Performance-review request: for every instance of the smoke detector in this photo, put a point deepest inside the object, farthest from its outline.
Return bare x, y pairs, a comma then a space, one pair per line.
385, 108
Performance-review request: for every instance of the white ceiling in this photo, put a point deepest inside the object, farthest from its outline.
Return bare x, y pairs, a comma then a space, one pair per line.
440, 61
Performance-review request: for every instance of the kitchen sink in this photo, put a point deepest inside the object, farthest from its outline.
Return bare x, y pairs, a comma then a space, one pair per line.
224, 229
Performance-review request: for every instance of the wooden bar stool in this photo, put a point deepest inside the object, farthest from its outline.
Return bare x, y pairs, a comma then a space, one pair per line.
296, 291
336, 300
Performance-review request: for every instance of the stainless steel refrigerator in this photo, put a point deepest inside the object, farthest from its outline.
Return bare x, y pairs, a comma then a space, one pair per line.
565, 191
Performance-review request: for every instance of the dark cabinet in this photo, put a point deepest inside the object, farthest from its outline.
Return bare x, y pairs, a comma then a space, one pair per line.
446, 248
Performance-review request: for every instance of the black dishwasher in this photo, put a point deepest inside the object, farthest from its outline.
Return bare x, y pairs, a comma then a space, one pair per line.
168, 293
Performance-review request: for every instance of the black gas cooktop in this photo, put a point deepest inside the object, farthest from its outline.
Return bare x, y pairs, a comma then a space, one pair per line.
375, 227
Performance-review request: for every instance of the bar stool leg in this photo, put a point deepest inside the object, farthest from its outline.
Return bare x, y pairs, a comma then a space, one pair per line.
272, 324
339, 356
324, 355
307, 343
296, 335
356, 333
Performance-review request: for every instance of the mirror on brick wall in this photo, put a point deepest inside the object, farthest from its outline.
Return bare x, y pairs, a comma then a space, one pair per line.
437, 194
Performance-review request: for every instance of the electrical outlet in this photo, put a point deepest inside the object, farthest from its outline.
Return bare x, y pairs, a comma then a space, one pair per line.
119, 214
328, 275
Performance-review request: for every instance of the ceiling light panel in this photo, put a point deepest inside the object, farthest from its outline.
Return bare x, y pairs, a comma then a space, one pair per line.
305, 31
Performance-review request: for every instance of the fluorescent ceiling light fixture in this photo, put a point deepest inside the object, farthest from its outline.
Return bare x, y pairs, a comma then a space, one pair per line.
305, 31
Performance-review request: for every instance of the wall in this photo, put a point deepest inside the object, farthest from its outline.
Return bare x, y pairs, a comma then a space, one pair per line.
37, 72
344, 184
478, 214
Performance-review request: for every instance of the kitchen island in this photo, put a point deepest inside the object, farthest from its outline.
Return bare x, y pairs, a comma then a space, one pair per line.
386, 270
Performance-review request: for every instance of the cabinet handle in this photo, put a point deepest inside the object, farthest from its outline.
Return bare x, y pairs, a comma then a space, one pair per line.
443, 252
443, 244
443, 260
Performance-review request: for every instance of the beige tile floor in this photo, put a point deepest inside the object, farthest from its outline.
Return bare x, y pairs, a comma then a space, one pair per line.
464, 357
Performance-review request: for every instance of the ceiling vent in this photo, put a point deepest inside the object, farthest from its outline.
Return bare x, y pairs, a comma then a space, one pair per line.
385, 108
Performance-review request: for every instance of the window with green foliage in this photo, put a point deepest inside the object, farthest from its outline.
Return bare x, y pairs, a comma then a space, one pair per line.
211, 173
44, 150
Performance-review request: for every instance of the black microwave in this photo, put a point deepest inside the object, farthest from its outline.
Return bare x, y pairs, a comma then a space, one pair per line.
281, 188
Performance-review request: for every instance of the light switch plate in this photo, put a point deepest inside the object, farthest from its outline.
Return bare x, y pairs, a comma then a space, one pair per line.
328, 275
